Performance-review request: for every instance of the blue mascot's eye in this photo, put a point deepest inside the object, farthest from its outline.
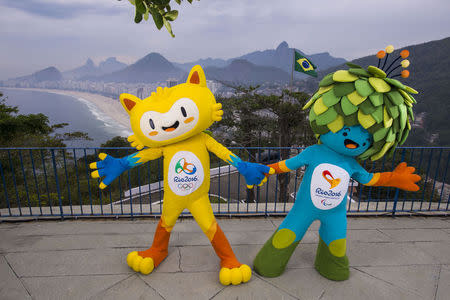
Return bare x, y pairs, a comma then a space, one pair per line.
152, 125
345, 134
364, 144
183, 111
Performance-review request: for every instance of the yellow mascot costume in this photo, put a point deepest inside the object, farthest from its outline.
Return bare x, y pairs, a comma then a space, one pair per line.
171, 123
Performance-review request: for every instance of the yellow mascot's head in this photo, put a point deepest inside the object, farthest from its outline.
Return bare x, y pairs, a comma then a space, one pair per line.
173, 114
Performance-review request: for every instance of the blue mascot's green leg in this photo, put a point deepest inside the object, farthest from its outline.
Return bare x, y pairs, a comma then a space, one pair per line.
331, 266
273, 257
270, 260
331, 261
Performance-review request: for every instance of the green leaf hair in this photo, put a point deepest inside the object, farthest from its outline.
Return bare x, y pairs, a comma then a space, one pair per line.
383, 106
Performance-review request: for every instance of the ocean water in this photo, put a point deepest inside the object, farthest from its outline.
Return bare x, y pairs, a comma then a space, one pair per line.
78, 112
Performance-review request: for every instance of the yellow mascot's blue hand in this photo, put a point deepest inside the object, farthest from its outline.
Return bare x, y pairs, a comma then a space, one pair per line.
254, 173
110, 167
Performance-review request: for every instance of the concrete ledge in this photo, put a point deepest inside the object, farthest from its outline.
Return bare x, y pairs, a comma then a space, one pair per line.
390, 258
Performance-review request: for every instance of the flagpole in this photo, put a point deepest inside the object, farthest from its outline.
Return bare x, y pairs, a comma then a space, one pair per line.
292, 71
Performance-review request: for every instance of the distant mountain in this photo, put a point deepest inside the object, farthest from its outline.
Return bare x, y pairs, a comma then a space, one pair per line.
47, 74
281, 57
89, 69
151, 68
273, 65
111, 64
261, 66
208, 62
324, 60
430, 75
242, 71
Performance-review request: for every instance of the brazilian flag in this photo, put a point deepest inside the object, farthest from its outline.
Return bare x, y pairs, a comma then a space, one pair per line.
304, 65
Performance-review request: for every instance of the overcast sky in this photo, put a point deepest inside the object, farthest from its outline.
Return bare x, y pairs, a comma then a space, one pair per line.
35, 34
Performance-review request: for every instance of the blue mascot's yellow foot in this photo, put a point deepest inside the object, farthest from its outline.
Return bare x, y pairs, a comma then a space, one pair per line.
235, 276
139, 263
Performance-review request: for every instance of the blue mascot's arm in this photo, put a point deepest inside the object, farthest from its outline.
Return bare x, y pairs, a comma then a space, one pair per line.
254, 173
360, 174
110, 167
293, 163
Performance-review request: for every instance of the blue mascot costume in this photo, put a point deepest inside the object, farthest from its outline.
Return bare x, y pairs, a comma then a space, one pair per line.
356, 113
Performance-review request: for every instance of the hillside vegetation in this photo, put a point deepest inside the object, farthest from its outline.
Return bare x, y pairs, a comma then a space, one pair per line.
430, 75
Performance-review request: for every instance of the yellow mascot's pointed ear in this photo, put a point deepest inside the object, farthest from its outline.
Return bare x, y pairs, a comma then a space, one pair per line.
129, 101
197, 76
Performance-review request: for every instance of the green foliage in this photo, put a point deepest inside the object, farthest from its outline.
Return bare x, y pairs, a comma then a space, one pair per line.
162, 13
252, 119
27, 169
116, 142
214, 199
45, 177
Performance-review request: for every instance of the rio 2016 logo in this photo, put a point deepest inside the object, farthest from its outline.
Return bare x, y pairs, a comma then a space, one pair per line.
333, 183
185, 174
328, 177
328, 186
183, 166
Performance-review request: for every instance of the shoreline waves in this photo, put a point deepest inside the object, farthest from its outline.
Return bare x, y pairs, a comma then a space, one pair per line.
111, 108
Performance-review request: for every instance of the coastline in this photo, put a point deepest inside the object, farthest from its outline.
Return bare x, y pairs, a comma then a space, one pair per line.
106, 105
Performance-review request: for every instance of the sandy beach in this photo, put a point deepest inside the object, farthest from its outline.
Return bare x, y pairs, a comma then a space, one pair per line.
108, 106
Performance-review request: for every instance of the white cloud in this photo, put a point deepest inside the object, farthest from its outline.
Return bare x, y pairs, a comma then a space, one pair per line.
32, 40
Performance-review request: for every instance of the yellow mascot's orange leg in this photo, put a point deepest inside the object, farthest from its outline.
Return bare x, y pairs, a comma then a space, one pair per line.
159, 249
223, 249
146, 261
232, 271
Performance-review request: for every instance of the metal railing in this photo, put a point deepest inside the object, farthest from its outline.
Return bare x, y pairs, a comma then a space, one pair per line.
55, 182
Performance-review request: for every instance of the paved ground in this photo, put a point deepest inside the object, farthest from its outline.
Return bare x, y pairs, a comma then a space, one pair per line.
390, 258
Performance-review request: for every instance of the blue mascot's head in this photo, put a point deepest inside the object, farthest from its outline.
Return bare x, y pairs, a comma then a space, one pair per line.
350, 140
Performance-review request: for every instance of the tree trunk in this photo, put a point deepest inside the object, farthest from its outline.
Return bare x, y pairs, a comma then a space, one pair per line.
250, 195
284, 141
283, 181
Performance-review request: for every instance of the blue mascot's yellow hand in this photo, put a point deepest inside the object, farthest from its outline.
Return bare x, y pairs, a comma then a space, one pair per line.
108, 167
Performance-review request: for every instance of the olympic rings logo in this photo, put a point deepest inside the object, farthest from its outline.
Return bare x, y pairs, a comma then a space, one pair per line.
185, 186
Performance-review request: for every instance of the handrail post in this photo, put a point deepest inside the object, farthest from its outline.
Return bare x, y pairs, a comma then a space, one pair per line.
57, 184
397, 190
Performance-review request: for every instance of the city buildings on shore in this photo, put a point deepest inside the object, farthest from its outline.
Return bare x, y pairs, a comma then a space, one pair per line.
142, 90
